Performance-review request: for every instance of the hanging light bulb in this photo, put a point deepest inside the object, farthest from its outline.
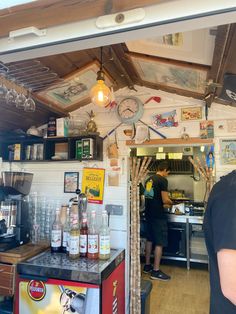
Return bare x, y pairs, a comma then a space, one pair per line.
100, 93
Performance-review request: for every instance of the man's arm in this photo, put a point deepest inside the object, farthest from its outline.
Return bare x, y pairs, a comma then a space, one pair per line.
227, 269
165, 198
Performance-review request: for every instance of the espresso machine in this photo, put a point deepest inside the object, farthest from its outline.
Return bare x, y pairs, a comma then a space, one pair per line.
14, 209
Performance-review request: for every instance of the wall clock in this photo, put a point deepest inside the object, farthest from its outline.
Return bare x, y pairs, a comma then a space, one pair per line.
130, 110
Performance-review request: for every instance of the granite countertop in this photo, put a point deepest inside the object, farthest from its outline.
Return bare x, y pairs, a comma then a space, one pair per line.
59, 266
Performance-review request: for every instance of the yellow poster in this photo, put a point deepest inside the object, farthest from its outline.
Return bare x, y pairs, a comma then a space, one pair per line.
93, 184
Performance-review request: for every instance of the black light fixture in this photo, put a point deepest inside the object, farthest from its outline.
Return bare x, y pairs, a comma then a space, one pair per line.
100, 93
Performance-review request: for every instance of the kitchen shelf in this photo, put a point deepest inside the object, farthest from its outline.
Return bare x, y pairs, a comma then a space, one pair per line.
37, 149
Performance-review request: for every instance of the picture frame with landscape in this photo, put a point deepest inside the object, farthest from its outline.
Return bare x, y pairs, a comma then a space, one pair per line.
74, 89
71, 182
170, 74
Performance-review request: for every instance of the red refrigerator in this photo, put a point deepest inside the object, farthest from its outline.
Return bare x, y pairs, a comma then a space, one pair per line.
52, 283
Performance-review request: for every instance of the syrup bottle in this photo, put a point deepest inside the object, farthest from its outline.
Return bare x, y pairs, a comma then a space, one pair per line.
83, 239
104, 238
93, 237
56, 233
74, 238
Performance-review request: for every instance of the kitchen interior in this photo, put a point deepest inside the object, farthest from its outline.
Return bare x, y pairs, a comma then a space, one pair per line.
185, 185
188, 189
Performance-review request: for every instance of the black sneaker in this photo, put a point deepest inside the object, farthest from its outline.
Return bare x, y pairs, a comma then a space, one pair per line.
147, 268
159, 275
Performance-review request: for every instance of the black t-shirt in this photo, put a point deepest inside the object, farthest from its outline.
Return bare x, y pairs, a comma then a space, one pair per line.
220, 233
153, 200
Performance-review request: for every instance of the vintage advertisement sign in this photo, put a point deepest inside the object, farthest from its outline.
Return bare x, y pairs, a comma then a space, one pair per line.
56, 297
93, 184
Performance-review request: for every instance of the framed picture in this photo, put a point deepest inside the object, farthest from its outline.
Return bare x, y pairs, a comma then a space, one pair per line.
93, 184
194, 46
192, 113
171, 75
74, 89
207, 129
71, 182
228, 151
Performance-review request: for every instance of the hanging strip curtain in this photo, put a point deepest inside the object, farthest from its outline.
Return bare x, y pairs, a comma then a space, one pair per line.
138, 172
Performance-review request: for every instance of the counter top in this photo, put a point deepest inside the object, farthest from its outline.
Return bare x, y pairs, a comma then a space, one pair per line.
59, 266
184, 218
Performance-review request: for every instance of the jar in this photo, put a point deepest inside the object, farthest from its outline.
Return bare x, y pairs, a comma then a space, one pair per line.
51, 127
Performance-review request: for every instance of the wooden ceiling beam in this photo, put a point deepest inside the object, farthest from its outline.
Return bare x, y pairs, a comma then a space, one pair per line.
220, 52
172, 90
118, 62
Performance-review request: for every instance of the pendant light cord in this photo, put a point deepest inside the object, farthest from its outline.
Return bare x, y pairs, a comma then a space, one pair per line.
101, 60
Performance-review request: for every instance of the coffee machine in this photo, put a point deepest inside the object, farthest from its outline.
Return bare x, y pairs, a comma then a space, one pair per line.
14, 209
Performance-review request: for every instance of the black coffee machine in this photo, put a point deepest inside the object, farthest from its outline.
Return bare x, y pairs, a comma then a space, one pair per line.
14, 209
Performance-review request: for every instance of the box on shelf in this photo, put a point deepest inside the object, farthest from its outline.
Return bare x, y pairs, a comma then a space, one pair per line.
62, 127
84, 149
61, 150
87, 148
78, 149
17, 149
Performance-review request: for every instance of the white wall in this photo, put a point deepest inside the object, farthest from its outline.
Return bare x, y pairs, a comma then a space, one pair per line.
48, 177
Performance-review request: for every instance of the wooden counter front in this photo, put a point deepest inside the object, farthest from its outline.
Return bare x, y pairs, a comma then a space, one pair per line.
8, 260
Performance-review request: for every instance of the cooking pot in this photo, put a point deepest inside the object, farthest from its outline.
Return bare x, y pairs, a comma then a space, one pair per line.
14, 182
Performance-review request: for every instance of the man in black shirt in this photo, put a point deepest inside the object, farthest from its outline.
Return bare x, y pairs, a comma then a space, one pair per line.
220, 235
156, 195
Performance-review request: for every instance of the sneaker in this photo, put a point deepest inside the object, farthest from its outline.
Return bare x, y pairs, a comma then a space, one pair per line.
147, 268
159, 275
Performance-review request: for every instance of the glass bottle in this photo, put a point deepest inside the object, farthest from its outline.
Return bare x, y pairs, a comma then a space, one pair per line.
51, 130
74, 237
93, 237
83, 240
104, 238
66, 232
56, 233
63, 214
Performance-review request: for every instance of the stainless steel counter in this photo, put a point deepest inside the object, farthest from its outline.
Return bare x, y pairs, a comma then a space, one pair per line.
190, 223
59, 266
185, 218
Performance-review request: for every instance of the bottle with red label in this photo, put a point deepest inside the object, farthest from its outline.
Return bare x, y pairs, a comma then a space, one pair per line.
83, 240
93, 237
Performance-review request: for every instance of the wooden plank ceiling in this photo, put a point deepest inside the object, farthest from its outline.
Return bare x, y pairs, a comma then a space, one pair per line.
116, 61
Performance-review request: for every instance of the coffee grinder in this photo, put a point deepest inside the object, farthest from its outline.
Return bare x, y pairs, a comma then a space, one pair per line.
14, 209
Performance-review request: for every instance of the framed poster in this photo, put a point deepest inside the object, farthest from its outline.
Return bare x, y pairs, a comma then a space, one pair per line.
93, 184
191, 113
228, 151
207, 129
74, 89
171, 74
71, 182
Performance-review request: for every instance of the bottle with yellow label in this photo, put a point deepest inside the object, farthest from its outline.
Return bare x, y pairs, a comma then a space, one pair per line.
104, 238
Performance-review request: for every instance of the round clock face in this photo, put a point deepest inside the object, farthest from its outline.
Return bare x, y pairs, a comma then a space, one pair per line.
130, 110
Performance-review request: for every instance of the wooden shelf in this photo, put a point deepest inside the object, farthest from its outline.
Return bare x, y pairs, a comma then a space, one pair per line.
49, 147
172, 141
